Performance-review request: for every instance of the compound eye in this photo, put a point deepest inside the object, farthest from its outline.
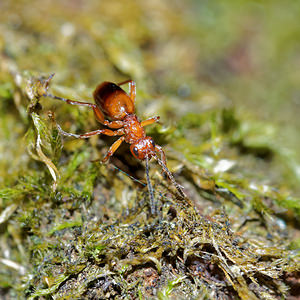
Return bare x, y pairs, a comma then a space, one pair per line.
153, 143
135, 151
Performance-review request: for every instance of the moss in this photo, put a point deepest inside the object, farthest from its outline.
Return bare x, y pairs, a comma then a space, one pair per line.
73, 228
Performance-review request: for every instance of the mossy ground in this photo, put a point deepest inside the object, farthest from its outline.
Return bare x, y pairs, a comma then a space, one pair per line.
74, 228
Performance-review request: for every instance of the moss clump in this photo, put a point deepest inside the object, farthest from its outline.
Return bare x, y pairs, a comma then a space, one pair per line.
179, 252
73, 228
79, 242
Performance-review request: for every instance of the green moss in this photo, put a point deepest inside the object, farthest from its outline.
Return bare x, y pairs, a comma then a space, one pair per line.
74, 228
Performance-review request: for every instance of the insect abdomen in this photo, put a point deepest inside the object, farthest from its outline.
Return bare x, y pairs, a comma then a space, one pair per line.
113, 101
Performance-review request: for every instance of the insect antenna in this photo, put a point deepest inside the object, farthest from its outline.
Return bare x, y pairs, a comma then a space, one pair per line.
171, 177
131, 177
150, 188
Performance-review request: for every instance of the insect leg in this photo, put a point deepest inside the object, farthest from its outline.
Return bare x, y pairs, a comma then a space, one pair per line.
113, 124
150, 121
132, 88
113, 148
69, 101
162, 154
89, 134
98, 113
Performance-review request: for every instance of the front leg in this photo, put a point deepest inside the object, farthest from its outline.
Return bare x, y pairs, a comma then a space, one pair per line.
162, 154
163, 163
113, 148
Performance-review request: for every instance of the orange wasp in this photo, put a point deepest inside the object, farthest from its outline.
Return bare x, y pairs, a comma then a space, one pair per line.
113, 102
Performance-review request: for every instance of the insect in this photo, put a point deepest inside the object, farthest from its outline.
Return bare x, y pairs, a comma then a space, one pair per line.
113, 102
